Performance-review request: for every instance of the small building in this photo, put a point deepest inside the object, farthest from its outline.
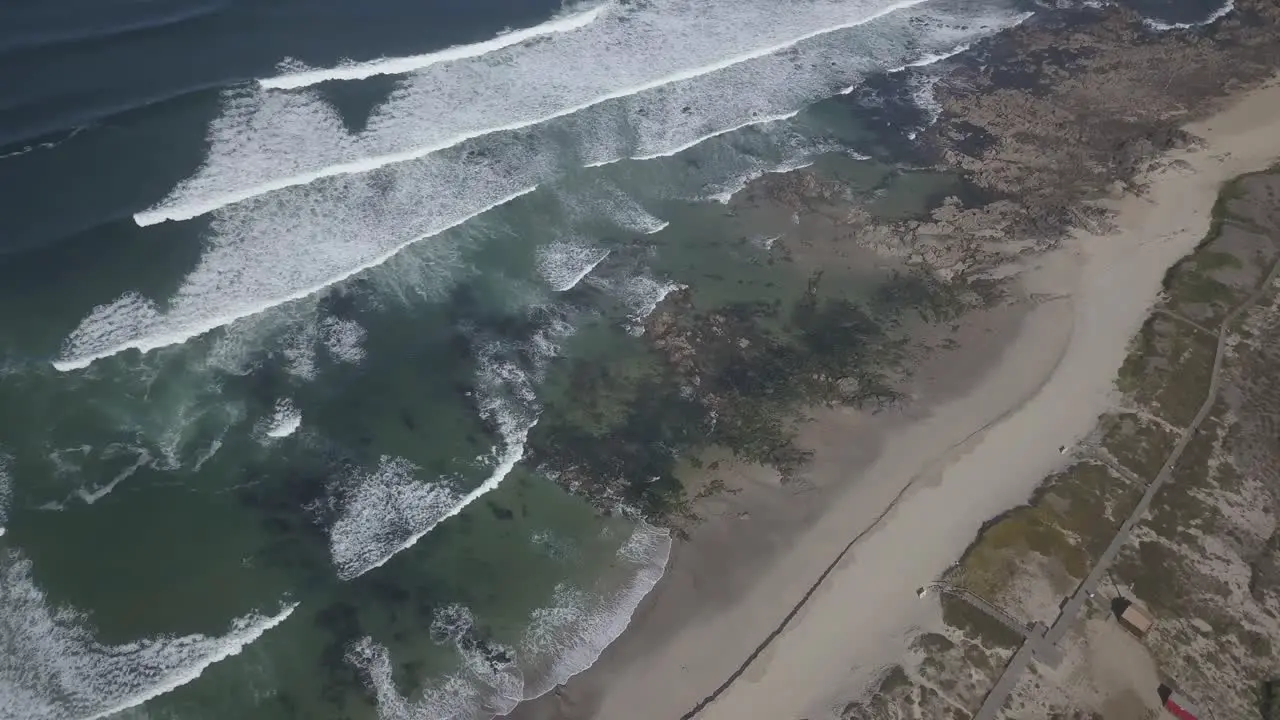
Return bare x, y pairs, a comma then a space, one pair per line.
1181, 708
1136, 620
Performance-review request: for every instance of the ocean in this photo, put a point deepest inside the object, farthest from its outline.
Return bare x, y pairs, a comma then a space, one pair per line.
303, 307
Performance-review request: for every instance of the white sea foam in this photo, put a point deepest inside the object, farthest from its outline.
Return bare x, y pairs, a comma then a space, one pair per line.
935, 58
343, 340
207, 454
44, 145
6, 491
1213, 17
568, 636
52, 668
92, 496
450, 623
630, 215
388, 510
554, 546
923, 84
299, 352
640, 294
284, 421
297, 78
604, 199
562, 639
484, 685
725, 192
297, 332
655, 77
765, 242
700, 67
255, 265
699, 140
564, 264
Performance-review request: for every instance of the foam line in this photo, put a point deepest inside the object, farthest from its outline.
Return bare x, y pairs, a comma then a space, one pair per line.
92, 496
397, 66
190, 209
202, 326
698, 141
564, 265
577, 278
938, 57
514, 453
233, 644
53, 668
96, 32
583, 633
6, 490
285, 420
1215, 16
561, 640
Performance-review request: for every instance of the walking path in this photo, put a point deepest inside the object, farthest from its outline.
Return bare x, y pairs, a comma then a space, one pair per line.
1013, 671
982, 605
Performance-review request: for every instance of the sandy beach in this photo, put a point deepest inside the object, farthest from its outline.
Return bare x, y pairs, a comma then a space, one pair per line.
749, 623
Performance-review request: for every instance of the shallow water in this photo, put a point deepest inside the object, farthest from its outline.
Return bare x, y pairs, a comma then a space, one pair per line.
273, 354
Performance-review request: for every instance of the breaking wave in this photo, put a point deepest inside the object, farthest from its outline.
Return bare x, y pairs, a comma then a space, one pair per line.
6, 491
564, 264
562, 639
52, 668
1213, 17
343, 340
669, 46
284, 421
568, 636
314, 204
298, 76
389, 509
91, 496
254, 265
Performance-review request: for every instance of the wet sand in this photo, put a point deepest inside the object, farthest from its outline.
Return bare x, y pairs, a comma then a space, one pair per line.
788, 600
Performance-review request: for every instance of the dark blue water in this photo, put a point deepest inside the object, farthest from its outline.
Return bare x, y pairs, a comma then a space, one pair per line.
76, 63
123, 90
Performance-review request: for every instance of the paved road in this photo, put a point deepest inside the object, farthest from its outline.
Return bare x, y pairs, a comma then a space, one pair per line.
1071, 610
1004, 686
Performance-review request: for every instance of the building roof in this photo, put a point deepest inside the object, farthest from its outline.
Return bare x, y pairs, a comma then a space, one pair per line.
1181, 709
1136, 619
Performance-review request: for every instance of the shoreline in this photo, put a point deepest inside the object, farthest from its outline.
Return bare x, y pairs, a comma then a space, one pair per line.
1053, 378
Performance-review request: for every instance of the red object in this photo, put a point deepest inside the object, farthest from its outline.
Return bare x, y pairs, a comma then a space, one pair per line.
1180, 708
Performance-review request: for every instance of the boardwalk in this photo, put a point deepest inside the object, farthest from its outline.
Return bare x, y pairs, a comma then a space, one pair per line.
1013, 672
978, 602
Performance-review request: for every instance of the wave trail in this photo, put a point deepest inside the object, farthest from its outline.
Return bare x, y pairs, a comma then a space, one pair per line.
1213, 17
92, 28
564, 264
562, 639
285, 420
53, 669
133, 321
284, 245
6, 490
225, 188
389, 510
569, 637
700, 139
396, 66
